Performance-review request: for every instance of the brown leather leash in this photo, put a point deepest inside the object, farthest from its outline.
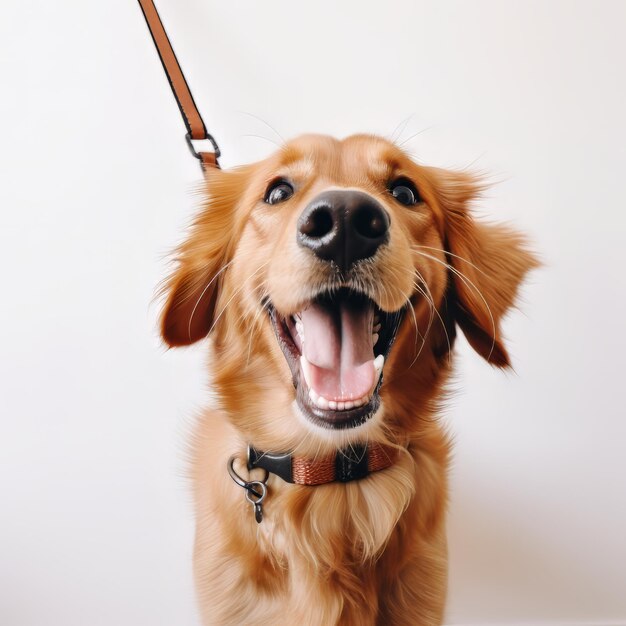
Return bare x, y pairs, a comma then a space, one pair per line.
188, 109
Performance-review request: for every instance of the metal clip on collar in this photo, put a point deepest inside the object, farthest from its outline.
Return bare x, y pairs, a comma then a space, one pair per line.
256, 490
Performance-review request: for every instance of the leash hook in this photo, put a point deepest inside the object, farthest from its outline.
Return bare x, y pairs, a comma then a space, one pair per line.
256, 490
195, 153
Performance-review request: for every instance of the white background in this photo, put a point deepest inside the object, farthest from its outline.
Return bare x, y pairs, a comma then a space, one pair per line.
96, 187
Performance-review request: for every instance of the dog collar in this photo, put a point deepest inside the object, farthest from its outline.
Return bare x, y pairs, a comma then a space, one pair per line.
351, 463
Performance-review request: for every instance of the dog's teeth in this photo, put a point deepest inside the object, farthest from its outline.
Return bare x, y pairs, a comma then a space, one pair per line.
321, 402
333, 405
375, 338
300, 330
379, 361
304, 366
317, 400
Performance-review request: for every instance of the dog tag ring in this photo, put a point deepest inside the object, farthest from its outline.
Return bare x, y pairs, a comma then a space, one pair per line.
256, 500
256, 490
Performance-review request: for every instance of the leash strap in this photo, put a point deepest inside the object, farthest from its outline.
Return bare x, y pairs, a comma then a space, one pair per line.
188, 109
346, 465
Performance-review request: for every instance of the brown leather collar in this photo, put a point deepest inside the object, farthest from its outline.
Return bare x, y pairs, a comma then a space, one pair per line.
349, 464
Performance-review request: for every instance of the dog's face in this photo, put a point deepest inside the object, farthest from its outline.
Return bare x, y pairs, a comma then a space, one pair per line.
329, 263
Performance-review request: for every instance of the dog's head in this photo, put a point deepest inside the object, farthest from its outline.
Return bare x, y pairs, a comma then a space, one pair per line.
328, 263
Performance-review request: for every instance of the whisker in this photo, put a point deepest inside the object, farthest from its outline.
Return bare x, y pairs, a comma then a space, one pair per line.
467, 281
434, 311
417, 333
443, 326
193, 311
399, 130
260, 119
415, 135
254, 324
473, 161
428, 295
262, 137
456, 256
236, 292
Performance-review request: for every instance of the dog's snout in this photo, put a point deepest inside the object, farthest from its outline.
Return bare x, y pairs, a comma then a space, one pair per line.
343, 226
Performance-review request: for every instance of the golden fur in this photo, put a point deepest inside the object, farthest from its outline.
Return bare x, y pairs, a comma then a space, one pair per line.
371, 551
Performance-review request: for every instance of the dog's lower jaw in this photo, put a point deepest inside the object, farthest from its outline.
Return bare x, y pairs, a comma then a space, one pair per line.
340, 438
335, 554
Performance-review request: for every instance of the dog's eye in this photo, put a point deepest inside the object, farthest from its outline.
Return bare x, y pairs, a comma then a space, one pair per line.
404, 192
278, 191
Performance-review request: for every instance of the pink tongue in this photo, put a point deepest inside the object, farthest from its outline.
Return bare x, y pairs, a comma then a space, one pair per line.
338, 347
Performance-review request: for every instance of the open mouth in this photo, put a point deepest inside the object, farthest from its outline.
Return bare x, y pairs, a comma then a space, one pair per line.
336, 348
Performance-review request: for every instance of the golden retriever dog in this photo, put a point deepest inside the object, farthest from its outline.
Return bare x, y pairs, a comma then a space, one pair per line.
331, 279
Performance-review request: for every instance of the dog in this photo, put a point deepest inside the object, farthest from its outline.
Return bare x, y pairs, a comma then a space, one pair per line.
332, 278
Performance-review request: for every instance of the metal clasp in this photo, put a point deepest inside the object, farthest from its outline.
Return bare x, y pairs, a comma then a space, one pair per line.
216, 148
256, 490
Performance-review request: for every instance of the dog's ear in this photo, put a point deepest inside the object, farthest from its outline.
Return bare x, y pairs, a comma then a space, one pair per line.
487, 262
193, 288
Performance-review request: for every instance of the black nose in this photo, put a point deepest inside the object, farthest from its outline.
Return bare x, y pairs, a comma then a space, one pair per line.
343, 226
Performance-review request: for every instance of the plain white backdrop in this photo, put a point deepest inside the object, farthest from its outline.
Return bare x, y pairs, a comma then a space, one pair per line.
96, 188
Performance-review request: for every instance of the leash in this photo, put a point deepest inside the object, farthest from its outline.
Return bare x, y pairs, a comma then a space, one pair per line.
188, 109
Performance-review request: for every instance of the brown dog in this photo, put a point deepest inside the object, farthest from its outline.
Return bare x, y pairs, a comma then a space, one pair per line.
314, 272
